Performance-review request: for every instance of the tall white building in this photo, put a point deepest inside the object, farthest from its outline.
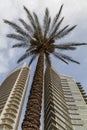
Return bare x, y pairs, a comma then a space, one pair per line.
12, 95
65, 103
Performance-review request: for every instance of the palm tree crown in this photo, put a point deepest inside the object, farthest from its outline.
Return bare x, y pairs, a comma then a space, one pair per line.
37, 38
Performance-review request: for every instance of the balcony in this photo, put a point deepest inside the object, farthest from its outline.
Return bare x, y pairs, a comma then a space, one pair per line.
8, 119
18, 91
12, 109
10, 114
16, 96
13, 103
6, 124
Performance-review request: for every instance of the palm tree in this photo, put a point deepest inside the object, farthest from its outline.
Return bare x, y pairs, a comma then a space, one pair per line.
39, 41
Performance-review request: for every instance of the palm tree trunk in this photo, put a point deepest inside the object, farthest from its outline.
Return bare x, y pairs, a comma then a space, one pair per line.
33, 110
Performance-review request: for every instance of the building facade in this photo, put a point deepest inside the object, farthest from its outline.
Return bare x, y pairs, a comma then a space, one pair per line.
65, 103
12, 95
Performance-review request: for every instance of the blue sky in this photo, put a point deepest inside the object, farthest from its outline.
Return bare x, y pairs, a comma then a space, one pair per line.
75, 13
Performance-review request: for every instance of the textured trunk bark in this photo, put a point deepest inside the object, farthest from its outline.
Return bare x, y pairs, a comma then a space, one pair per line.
33, 110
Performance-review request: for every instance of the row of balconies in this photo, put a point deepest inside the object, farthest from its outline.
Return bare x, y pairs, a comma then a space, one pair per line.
82, 92
10, 113
7, 122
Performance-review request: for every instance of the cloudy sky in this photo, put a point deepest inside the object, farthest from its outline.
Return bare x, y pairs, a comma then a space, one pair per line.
75, 13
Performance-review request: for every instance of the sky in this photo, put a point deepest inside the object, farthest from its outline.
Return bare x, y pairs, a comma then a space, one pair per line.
75, 13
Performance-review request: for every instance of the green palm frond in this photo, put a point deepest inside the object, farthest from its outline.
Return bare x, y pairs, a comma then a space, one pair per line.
57, 55
56, 17
66, 32
26, 26
39, 30
30, 17
64, 47
68, 58
56, 28
32, 59
69, 46
17, 37
46, 17
23, 57
35, 51
47, 28
47, 59
30, 48
20, 45
58, 33
61, 31
16, 27
46, 22
74, 44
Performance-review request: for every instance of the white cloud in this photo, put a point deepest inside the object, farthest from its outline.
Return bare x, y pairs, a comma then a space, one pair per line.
31, 4
3, 69
3, 63
3, 43
11, 53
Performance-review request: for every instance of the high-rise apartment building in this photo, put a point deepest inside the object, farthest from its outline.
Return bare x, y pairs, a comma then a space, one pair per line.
12, 95
65, 103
